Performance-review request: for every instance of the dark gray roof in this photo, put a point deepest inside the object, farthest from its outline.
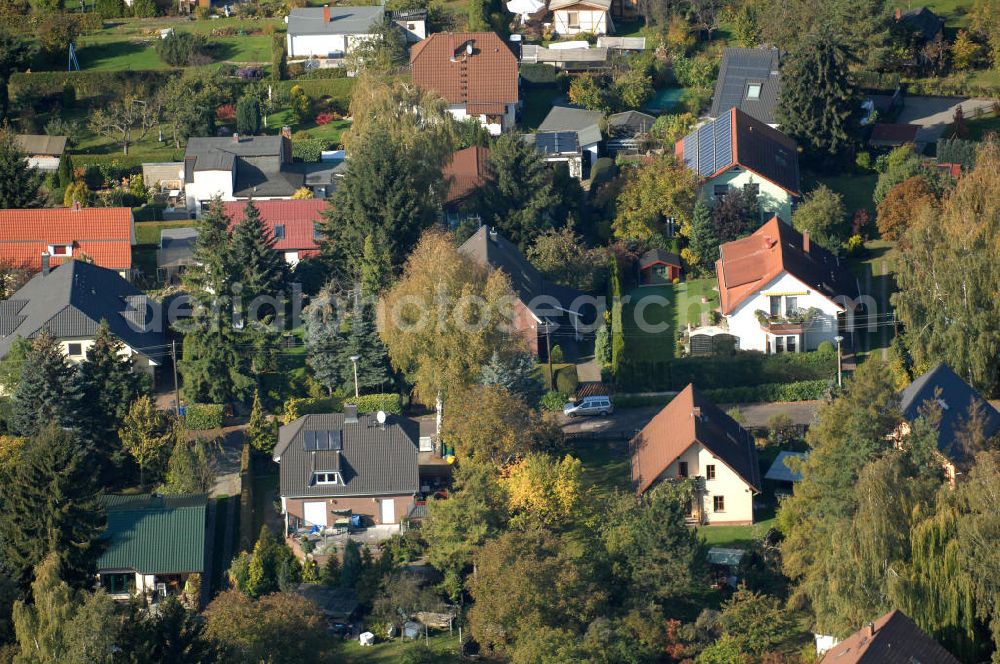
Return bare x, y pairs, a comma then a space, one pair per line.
259, 179
586, 124
343, 20
494, 250
257, 161
658, 255
955, 398
71, 301
924, 23
203, 147
374, 461
744, 66
176, 247
630, 123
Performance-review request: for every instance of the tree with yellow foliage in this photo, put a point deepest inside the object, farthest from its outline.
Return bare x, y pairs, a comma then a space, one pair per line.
543, 490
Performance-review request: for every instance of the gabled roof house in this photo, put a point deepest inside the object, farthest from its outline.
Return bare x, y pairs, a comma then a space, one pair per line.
291, 222
780, 292
71, 301
572, 135
475, 72
750, 80
955, 398
102, 235
692, 438
541, 305
570, 17
329, 32
735, 150
339, 465
892, 639
155, 544
44, 151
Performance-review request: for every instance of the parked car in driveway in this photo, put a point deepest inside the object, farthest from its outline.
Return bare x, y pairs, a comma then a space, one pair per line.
589, 406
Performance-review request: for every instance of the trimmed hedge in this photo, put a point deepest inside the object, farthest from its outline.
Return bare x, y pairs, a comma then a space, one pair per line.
805, 390
200, 416
539, 74
370, 403
338, 88
745, 369
297, 407
85, 84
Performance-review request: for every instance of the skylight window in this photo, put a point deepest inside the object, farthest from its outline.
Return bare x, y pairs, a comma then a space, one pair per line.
753, 91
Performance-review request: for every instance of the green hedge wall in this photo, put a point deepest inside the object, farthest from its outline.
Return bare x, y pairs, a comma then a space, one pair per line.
200, 416
744, 369
86, 84
539, 74
370, 403
297, 407
799, 391
338, 88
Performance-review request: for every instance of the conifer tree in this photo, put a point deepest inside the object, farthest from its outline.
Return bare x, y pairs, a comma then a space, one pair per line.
261, 269
261, 432
108, 384
50, 505
65, 172
703, 243
515, 373
48, 391
325, 341
363, 341
376, 268
145, 434
819, 104
248, 116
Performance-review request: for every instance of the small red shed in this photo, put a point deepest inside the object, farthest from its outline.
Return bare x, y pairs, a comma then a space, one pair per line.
659, 266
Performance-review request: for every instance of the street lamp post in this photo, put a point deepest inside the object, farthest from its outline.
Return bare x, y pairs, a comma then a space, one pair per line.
354, 361
840, 364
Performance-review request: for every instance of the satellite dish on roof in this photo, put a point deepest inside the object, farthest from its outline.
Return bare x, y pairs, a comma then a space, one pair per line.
380, 416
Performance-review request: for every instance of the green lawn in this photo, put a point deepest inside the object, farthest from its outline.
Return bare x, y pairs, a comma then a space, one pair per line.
606, 464
857, 190
979, 127
954, 12
331, 132
444, 649
874, 271
735, 536
675, 305
148, 232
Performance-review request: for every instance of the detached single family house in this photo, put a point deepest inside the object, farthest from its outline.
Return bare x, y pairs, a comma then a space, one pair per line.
155, 544
339, 465
44, 151
781, 293
892, 639
71, 301
750, 80
955, 398
735, 150
541, 306
691, 438
571, 17
104, 236
572, 135
475, 72
329, 32
292, 223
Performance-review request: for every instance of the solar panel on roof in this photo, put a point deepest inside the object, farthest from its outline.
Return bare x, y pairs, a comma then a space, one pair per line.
706, 150
309, 444
556, 142
323, 441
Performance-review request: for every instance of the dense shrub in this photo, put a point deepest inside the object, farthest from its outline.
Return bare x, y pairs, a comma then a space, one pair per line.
324, 118
143, 8
308, 149
554, 401
323, 74
86, 84
539, 74
199, 416
110, 8
743, 369
370, 403
181, 49
797, 391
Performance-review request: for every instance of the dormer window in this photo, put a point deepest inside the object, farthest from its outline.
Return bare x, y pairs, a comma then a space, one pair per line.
327, 477
61, 249
279, 231
753, 91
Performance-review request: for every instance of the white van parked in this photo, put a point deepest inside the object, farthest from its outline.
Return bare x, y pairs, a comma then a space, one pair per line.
589, 406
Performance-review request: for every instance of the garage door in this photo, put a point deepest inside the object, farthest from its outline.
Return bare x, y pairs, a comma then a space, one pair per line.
315, 513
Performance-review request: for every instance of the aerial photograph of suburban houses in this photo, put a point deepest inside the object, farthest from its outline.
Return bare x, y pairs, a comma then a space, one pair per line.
506, 331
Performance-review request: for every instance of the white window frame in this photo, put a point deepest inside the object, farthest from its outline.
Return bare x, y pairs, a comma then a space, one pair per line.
55, 253
329, 477
570, 23
756, 88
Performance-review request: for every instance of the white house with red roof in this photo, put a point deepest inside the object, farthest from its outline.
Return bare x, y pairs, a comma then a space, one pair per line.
293, 224
103, 236
475, 72
735, 150
781, 293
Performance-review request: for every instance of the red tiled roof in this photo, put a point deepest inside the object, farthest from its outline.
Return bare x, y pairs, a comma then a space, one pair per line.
892, 639
105, 235
688, 419
896, 134
484, 81
747, 265
465, 173
297, 216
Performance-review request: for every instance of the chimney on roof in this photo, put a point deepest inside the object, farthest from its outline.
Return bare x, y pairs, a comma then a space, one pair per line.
45, 263
236, 137
805, 241
76, 206
326, 13
871, 625
350, 413
286, 132
899, 13
696, 412
493, 234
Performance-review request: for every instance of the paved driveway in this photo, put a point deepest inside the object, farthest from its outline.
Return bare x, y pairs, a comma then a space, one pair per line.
934, 114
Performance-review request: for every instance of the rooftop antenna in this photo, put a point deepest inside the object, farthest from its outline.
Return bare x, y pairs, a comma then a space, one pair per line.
380, 416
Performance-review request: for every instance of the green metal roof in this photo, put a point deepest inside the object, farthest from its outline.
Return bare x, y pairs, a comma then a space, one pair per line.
154, 534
